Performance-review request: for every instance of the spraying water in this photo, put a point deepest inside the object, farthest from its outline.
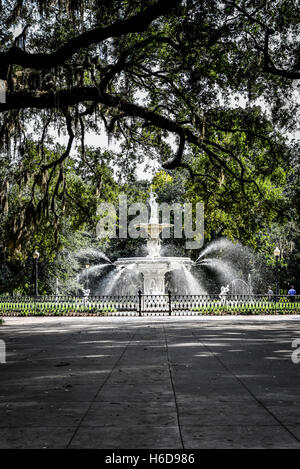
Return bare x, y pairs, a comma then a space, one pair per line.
220, 244
112, 280
93, 254
223, 268
194, 286
94, 271
153, 248
240, 287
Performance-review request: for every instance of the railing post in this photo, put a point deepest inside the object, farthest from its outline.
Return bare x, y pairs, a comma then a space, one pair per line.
170, 302
140, 303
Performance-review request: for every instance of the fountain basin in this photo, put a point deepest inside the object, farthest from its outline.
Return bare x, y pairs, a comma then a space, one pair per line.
153, 229
154, 270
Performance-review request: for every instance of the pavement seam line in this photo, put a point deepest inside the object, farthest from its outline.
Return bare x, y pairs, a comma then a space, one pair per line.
100, 389
259, 402
173, 387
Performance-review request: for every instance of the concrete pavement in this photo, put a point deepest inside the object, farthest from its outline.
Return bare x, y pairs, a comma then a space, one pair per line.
149, 383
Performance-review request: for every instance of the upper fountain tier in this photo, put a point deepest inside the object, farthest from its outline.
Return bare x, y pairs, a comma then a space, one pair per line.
153, 228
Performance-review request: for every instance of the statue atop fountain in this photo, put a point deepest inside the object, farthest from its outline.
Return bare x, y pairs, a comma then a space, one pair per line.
153, 228
153, 208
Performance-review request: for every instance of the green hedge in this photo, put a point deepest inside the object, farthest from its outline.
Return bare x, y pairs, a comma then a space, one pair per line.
260, 307
53, 308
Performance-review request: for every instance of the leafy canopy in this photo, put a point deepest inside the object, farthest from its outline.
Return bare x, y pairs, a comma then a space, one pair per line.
216, 80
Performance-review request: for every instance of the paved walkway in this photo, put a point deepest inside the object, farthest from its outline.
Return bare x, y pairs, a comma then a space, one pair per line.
149, 383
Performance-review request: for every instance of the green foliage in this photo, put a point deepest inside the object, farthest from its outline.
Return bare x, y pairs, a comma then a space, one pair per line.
260, 307
206, 89
53, 308
72, 307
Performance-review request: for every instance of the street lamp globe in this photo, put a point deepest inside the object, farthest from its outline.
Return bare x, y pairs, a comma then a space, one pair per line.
36, 254
277, 252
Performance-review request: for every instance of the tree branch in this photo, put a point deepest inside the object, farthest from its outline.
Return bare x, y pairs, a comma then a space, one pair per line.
66, 98
122, 63
269, 66
134, 24
176, 161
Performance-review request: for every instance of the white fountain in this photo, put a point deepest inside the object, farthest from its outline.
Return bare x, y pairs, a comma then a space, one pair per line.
154, 267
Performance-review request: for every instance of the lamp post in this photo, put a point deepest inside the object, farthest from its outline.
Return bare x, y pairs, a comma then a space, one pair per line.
87, 266
56, 289
77, 282
36, 256
277, 254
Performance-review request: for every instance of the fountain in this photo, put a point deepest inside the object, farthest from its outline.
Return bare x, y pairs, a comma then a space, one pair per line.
154, 267
220, 262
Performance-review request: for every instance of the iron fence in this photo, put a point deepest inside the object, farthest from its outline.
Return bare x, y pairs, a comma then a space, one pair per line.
140, 304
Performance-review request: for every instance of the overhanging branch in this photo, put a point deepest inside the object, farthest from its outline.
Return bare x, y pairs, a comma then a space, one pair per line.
67, 98
177, 160
269, 66
134, 24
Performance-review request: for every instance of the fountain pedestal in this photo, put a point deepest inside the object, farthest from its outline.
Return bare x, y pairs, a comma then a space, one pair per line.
154, 278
